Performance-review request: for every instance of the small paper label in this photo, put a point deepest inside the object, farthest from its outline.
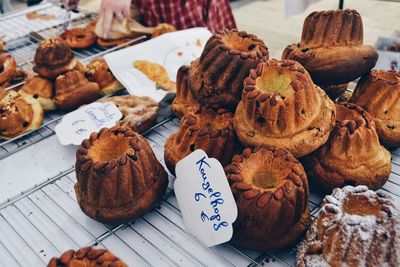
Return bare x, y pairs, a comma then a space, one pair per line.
205, 198
79, 124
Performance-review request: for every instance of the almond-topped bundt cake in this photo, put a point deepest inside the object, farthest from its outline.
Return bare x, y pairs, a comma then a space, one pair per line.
216, 78
332, 50
18, 114
54, 57
87, 257
353, 154
356, 227
282, 107
206, 129
378, 92
271, 192
184, 101
118, 176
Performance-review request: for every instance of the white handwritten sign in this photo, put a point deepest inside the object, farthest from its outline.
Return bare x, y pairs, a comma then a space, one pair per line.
79, 124
205, 198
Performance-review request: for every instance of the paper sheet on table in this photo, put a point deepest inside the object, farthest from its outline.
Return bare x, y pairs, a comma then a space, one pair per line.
170, 50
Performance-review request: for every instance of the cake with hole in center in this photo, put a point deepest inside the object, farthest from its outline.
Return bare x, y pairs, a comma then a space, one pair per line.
353, 154
282, 107
206, 129
332, 50
356, 227
118, 176
271, 192
216, 78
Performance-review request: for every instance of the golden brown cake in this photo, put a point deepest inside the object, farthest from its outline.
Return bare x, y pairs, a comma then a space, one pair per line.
161, 29
73, 90
87, 257
352, 155
216, 78
282, 107
184, 101
271, 192
18, 114
356, 227
98, 71
206, 129
118, 176
332, 50
40, 89
138, 112
53, 57
378, 92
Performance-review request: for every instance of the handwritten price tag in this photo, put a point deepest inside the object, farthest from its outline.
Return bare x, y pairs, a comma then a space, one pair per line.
79, 124
205, 198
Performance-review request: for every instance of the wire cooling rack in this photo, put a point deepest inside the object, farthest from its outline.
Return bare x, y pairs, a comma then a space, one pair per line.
22, 38
46, 220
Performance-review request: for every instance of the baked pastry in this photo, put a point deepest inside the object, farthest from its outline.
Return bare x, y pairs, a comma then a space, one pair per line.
216, 78
91, 26
184, 101
356, 227
7, 67
332, 50
98, 71
211, 131
378, 92
87, 257
282, 107
73, 90
138, 112
118, 176
352, 155
40, 89
156, 73
79, 38
53, 57
162, 28
18, 114
271, 192
110, 42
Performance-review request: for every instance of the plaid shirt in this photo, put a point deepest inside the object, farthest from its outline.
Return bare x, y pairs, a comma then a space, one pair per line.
213, 14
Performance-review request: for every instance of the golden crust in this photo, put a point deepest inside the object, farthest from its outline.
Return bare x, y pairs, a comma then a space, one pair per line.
88, 256
281, 106
216, 78
79, 38
352, 155
271, 192
98, 71
204, 129
18, 114
162, 28
330, 55
356, 227
8, 67
73, 90
118, 176
53, 52
378, 92
40, 89
52, 72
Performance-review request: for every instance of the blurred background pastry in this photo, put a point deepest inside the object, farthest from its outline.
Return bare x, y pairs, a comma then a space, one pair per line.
118, 176
78, 38
271, 192
378, 92
282, 107
74, 90
352, 155
356, 227
332, 50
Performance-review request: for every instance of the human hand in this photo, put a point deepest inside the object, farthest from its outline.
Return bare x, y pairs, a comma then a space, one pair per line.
110, 9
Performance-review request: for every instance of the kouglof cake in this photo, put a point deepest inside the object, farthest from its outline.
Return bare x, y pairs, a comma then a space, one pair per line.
271, 192
282, 107
353, 154
332, 50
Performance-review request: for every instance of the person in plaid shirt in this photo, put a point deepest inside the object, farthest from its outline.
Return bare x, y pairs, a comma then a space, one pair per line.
213, 14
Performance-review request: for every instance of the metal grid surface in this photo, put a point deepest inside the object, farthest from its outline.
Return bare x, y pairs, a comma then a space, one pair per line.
22, 43
46, 220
